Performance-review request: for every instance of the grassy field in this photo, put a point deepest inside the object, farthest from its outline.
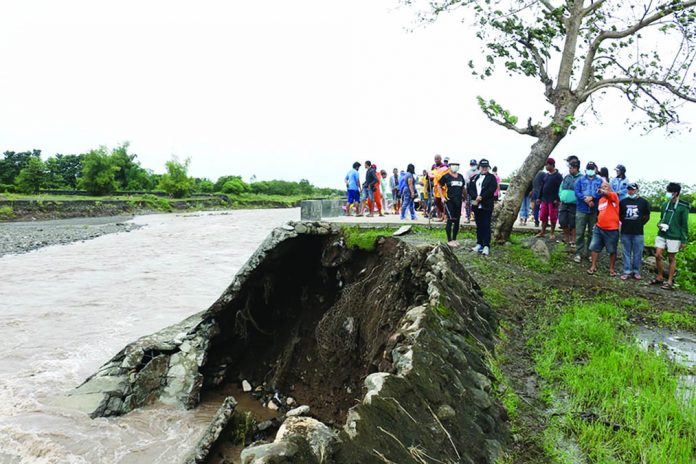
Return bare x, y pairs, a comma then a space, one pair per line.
651, 227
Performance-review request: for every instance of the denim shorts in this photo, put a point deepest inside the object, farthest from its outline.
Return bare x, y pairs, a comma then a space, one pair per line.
601, 239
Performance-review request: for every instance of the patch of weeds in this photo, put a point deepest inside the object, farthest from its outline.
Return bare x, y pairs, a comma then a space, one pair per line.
676, 320
636, 303
365, 239
6, 212
494, 297
622, 401
443, 310
438, 233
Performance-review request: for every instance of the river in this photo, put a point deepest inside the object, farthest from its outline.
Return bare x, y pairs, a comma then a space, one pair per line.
65, 310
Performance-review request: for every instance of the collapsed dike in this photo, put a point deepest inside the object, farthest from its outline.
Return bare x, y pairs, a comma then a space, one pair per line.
386, 346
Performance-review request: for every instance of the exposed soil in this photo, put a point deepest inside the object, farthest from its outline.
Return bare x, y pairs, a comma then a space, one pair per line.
309, 326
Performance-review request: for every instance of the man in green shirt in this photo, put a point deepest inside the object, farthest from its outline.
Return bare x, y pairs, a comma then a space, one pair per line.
673, 234
567, 210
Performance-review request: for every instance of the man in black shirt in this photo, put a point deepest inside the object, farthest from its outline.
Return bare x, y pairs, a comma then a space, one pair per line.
550, 185
634, 212
481, 189
453, 202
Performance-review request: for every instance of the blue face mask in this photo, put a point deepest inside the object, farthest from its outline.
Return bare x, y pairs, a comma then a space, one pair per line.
668, 195
632, 195
590, 172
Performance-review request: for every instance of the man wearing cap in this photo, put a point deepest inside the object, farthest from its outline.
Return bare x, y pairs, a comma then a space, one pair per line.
587, 195
605, 233
566, 212
673, 234
548, 212
634, 212
619, 184
470, 173
455, 184
481, 188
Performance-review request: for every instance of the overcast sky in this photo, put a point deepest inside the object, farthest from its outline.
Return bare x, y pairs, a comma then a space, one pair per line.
279, 89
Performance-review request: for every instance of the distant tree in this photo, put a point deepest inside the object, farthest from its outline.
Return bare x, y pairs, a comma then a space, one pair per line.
235, 186
98, 172
644, 50
203, 185
176, 181
13, 162
305, 187
33, 176
63, 170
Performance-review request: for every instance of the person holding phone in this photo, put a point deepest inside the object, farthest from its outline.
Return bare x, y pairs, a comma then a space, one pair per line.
672, 234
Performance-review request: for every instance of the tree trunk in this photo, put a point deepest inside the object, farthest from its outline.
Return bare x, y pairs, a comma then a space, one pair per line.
506, 214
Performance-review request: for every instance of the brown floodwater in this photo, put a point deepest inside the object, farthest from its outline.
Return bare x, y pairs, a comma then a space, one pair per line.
65, 310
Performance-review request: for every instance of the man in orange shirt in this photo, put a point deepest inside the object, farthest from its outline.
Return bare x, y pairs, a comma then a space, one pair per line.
606, 232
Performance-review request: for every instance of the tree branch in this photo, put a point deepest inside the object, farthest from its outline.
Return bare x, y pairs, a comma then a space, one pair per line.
529, 130
604, 35
541, 66
641, 82
593, 7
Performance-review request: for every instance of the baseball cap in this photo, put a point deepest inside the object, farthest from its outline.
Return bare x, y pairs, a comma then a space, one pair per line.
633, 186
445, 159
591, 165
454, 162
473, 162
574, 163
620, 167
484, 163
550, 160
572, 158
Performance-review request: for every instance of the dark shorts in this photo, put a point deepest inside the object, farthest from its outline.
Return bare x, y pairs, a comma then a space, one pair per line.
353, 196
601, 239
566, 215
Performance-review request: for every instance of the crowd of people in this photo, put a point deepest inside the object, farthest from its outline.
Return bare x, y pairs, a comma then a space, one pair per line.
442, 193
593, 210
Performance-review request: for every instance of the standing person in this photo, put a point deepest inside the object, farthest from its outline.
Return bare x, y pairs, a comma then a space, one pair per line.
567, 210
437, 169
604, 174
409, 193
481, 188
673, 234
587, 195
496, 195
634, 212
470, 173
353, 187
427, 193
368, 187
384, 187
453, 202
548, 212
619, 184
394, 185
606, 232
537, 183
378, 191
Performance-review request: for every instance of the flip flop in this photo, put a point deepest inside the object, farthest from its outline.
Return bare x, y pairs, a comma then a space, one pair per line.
625, 276
591, 271
667, 286
655, 282
613, 274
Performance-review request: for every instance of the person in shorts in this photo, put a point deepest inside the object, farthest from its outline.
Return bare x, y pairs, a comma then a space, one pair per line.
567, 210
672, 235
353, 188
605, 233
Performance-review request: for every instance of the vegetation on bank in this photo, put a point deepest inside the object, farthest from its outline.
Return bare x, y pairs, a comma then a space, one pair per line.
103, 172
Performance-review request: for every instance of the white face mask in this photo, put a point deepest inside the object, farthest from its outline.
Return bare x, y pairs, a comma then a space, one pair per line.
454, 168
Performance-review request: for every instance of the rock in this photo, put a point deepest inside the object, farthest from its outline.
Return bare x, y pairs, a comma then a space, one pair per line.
403, 230
301, 229
445, 412
272, 406
217, 425
298, 411
321, 438
246, 386
541, 250
290, 401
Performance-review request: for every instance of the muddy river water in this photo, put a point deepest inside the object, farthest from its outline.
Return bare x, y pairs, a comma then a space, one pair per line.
65, 310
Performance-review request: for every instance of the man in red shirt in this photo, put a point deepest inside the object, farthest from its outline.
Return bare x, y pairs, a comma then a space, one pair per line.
606, 232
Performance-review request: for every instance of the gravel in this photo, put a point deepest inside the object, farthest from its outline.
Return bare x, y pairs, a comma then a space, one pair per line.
22, 237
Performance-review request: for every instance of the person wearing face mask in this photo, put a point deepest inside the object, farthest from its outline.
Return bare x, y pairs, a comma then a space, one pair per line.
455, 184
672, 235
587, 195
481, 188
605, 233
634, 212
567, 210
619, 184
470, 173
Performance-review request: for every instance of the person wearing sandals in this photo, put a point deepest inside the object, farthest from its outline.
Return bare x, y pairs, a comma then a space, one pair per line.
605, 233
634, 212
672, 235
587, 194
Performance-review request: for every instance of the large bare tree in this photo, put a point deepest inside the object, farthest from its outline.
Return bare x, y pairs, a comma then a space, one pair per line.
579, 50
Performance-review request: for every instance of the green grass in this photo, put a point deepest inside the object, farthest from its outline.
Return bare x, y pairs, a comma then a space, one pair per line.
524, 256
6, 212
650, 230
621, 403
681, 319
365, 239
438, 233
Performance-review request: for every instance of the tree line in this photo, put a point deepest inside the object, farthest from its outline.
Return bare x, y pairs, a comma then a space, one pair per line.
103, 172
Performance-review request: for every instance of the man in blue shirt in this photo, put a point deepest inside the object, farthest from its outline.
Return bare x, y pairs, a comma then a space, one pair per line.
587, 195
353, 186
619, 184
